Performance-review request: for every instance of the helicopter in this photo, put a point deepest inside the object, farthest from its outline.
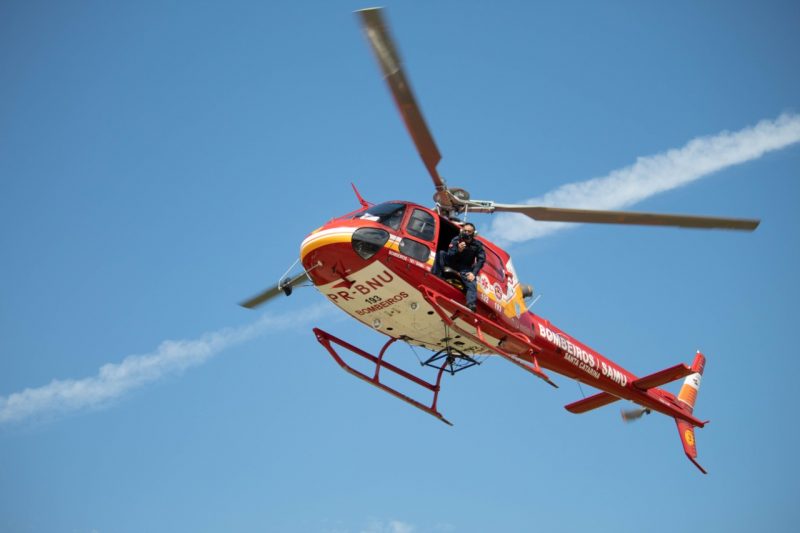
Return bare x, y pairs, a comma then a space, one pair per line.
382, 265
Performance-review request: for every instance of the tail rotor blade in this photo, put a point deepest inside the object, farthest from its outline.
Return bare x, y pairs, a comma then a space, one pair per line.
629, 415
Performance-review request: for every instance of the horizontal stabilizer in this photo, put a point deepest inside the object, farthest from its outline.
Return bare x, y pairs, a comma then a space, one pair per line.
663, 376
592, 402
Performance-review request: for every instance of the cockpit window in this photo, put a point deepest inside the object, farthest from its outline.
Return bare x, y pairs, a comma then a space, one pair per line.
388, 214
421, 224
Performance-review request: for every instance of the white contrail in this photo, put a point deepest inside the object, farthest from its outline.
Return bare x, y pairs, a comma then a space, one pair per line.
115, 379
653, 174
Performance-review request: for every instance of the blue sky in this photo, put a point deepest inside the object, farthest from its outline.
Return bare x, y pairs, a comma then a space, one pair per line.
160, 162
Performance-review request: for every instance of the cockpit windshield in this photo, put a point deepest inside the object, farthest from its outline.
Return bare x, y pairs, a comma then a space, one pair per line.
389, 214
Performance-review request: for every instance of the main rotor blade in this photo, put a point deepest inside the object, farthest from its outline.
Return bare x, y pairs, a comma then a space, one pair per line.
377, 32
281, 287
559, 214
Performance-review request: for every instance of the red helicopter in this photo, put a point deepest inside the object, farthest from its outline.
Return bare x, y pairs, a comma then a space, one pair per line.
377, 265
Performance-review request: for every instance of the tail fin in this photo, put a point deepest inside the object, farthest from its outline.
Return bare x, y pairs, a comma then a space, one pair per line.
688, 396
686, 431
691, 385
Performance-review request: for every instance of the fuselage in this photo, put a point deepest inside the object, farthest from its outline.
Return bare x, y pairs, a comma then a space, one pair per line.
372, 263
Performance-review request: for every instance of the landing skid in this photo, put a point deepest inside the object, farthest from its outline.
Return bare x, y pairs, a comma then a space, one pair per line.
328, 340
513, 346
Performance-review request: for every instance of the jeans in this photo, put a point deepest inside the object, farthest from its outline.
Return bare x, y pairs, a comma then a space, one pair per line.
471, 286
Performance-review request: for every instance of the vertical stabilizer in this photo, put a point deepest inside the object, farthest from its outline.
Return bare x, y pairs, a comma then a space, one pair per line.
691, 385
688, 396
686, 432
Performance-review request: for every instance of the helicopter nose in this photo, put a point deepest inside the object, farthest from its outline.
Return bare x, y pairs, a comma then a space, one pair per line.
326, 252
341, 250
323, 239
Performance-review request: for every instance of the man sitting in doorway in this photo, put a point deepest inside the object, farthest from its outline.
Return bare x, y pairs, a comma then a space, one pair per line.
466, 255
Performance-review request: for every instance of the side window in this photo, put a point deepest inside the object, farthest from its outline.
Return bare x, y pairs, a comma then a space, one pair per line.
421, 224
415, 250
494, 263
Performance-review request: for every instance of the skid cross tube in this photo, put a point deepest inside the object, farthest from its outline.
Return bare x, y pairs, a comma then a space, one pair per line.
326, 339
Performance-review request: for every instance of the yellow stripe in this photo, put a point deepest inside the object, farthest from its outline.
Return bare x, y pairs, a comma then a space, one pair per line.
323, 240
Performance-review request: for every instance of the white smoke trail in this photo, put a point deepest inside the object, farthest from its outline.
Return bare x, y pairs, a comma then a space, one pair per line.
653, 174
115, 379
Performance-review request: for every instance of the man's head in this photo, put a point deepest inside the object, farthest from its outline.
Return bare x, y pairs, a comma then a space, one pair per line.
468, 231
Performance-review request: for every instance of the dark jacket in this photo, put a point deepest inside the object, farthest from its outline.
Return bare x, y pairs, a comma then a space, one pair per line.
470, 260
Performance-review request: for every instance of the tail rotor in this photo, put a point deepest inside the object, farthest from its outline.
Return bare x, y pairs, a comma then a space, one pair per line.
631, 415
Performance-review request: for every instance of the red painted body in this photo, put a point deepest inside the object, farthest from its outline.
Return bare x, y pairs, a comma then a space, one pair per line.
395, 292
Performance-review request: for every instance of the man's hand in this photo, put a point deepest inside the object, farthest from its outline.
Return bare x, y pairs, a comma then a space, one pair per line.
470, 276
461, 246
